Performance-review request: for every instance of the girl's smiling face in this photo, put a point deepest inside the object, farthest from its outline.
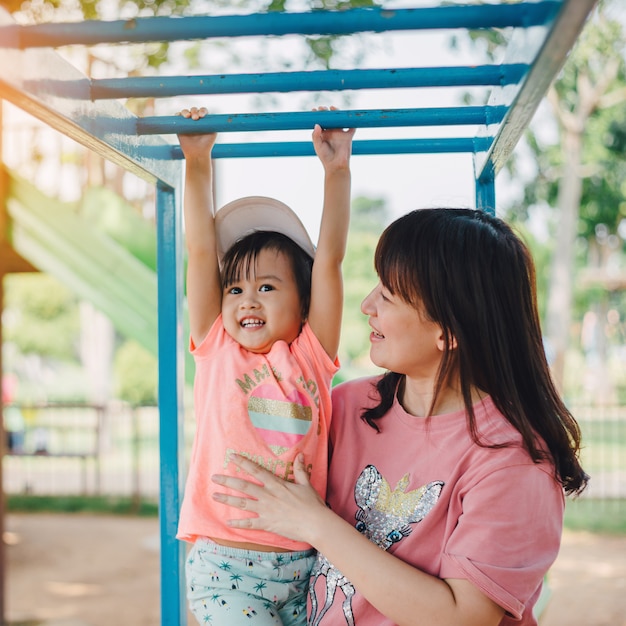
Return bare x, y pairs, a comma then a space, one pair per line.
263, 305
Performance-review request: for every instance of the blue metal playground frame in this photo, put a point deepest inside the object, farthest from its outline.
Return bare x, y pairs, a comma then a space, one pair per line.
37, 79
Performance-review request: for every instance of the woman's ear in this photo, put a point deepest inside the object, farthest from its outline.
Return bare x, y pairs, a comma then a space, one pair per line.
441, 341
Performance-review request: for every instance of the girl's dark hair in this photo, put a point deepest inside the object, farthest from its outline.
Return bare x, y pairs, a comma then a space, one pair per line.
239, 261
474, 277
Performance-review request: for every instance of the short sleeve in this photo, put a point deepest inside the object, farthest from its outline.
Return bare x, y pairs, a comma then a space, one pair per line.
307, 343
508, 534
212, 342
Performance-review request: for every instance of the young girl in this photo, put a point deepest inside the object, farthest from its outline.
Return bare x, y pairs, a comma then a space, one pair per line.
264, 335
447, 478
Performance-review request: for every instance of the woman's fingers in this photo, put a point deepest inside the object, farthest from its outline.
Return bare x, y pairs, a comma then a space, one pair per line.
243, 504
270, 502
264, 477
299, 471
247, 464
237, 484
238, 502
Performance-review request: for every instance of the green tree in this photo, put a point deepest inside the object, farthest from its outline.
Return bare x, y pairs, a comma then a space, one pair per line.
40, 317
369, 217
321, 48
580, 169
41, 331
136, 374
582, 173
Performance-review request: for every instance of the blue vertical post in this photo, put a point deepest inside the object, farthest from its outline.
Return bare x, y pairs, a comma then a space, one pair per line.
486, 193
171, 440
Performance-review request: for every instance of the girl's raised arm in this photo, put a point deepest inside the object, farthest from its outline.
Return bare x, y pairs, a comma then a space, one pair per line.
204, 291
333, 147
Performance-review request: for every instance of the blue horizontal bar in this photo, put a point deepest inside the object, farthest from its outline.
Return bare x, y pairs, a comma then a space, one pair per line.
524, 14
305, 148
306, 120
325, 80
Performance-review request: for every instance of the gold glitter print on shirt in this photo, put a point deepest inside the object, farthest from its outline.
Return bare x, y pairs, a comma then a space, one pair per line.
281, 420
280, 409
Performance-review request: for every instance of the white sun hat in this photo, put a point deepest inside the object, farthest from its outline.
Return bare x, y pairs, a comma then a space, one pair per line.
241, 217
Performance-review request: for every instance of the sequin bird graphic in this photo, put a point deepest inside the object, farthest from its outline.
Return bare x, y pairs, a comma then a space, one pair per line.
384, 516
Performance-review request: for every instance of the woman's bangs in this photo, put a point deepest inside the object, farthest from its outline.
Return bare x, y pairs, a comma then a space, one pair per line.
395, 274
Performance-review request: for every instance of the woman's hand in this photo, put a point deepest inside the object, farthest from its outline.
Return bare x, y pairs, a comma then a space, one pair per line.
280, 506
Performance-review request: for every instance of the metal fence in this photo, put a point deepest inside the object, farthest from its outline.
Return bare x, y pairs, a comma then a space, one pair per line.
78, 449
604, 450
113, 450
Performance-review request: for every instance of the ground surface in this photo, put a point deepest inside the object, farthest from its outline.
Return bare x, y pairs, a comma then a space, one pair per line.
85, 570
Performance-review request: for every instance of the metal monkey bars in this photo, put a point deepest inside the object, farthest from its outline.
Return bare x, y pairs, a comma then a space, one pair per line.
34, 77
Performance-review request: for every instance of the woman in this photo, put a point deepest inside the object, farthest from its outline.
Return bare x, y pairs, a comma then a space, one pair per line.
455, 462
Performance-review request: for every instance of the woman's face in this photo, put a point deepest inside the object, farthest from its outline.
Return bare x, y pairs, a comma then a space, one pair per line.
402, 340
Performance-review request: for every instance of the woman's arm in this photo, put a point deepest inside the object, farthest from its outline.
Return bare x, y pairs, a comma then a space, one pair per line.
399, 591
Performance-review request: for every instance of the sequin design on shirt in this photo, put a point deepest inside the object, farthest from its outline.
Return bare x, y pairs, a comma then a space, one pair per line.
384, 516
281, 421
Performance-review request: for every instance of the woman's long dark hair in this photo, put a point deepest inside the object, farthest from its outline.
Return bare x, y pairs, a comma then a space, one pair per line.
475, 278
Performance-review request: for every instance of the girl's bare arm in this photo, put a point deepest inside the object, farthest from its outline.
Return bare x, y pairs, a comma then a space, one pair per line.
204, 292
333, 147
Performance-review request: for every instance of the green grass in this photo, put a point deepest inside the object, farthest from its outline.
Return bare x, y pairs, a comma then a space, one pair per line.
601, 432
604, 445
601, 516
80, 504
597, 516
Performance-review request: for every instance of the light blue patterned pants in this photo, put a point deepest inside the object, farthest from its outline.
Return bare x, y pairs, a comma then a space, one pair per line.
228, 586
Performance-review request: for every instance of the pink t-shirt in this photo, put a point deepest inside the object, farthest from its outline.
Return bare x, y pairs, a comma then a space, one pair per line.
424, 491
267, 407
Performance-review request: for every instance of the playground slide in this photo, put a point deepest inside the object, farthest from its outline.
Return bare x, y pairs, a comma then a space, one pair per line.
55, 239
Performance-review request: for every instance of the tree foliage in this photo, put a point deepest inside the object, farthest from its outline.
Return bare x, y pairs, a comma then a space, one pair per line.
369, 217
136, 374
41, 317
589, 97
322, 49
580, 170
581, 175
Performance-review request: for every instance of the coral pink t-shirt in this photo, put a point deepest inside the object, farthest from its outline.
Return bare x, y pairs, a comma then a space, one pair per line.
424, 491
267, 407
